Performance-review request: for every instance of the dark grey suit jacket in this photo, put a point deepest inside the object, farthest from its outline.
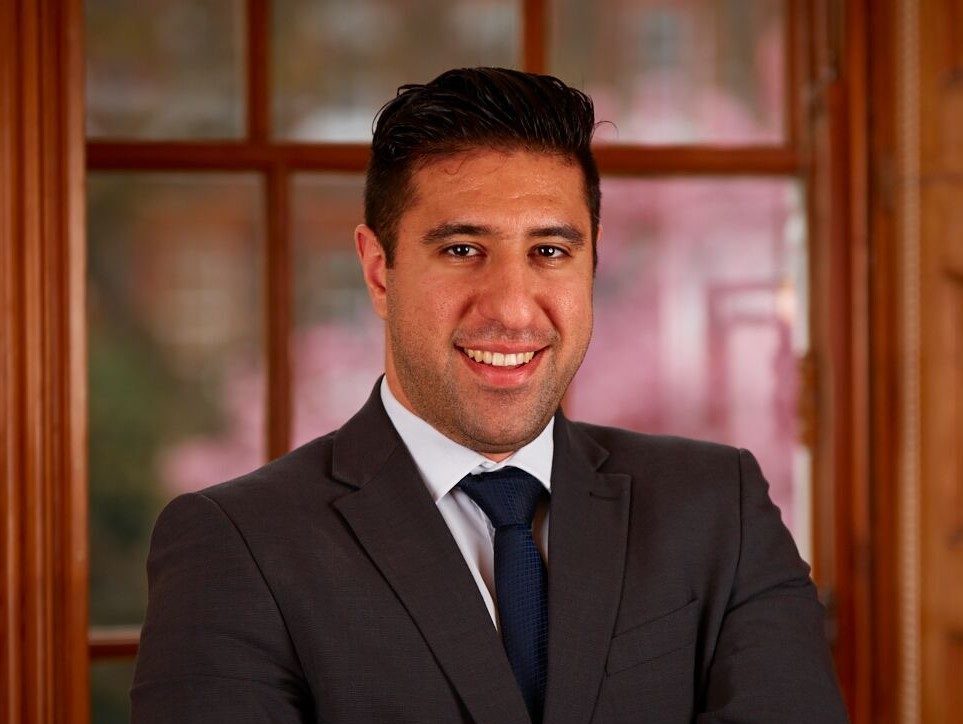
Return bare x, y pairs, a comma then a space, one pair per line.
326, 587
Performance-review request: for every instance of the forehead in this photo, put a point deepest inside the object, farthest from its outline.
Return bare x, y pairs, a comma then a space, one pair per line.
499, 182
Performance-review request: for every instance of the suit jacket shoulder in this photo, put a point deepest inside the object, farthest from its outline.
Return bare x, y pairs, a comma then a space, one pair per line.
326, 586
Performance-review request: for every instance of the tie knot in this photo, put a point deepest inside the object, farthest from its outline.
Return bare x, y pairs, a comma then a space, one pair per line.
507, 496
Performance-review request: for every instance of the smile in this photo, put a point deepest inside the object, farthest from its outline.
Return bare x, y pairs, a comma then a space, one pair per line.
499, 359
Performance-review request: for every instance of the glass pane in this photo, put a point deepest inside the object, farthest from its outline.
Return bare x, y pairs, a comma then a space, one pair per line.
679, 71
165, 69
336, 62
175, 308
701, 303
338, 344
110, 691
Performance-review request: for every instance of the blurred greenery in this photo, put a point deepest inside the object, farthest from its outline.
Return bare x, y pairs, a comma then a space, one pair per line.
137, 405
161, 69
109, 684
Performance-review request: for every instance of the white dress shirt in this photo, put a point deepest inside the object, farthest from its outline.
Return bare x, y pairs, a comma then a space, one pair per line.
443, 463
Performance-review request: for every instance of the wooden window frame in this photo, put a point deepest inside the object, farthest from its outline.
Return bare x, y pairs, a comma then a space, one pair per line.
45, 655
278, 160
43, 380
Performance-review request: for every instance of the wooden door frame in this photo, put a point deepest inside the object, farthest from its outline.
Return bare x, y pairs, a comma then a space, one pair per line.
894, 109
43, 420
838, 185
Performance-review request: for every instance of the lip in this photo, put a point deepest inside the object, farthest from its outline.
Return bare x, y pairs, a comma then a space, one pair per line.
503, 377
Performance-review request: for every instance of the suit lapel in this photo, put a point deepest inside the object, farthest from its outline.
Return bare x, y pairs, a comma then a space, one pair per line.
587, 539
400, 528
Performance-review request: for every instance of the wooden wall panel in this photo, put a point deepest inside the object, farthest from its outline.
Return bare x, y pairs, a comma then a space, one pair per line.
917, 358
43, 536
886, 302
942, 448
941, 86
837, 190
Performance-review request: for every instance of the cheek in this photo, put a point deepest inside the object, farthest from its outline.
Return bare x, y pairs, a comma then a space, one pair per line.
427, 310
572, 310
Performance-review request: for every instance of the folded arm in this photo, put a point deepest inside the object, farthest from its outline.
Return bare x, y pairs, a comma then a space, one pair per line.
214, 647
771, 662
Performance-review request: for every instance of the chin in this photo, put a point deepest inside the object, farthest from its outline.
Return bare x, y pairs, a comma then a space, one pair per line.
501, 440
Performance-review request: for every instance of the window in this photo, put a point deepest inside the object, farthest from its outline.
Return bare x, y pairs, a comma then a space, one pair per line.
227, 319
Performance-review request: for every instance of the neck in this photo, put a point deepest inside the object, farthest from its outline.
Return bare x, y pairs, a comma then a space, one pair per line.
402, 399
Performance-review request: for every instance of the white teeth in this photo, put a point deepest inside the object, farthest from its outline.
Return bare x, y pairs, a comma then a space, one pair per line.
499, 359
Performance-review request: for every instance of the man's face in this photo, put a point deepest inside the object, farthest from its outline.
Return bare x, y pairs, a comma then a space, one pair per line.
489, 301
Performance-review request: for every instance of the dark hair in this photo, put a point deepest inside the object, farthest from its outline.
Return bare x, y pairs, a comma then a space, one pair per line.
471, 108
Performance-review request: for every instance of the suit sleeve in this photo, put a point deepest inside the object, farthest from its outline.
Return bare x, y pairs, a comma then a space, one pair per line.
771, 662
214, 647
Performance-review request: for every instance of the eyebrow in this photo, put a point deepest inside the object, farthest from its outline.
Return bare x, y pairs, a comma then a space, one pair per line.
445, 231
570, 233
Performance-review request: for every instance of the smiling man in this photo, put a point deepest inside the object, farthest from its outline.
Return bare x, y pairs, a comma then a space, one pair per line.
488, 296
460, 551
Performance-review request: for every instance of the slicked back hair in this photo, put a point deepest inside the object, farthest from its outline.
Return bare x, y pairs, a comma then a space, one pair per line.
474, 109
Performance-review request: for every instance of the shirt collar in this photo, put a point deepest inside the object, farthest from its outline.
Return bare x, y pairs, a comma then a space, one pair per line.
442, 462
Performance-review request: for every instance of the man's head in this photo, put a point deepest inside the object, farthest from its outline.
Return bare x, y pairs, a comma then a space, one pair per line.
471, 109
479, 250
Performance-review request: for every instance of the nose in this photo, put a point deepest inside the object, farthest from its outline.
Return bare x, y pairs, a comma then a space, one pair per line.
508, 294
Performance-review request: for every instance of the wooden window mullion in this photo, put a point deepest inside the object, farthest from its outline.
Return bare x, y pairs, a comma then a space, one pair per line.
614, 159
534, 36
225, 156
794, 100
113, 642
278, 312
257, 70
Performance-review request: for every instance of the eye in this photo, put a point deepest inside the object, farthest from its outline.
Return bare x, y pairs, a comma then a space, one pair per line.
547, 251
461, 250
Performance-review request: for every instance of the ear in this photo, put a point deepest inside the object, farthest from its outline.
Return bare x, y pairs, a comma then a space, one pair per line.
374, 266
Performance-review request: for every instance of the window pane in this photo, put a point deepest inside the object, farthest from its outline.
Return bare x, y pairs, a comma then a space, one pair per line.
685, 71
110, 691
335, 62
701, 303
165, 69
175, 359
338, 343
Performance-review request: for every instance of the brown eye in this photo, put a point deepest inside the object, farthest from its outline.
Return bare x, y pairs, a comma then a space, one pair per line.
549, 252
461, 250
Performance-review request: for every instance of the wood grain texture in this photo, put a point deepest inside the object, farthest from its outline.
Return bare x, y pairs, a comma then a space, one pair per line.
941, 450
885, 299
839, 289
43, 658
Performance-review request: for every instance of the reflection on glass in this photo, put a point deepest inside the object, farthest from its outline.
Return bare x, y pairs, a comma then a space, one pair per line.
109, 691
165, 69
337, 347
335, 62
175, 358
700, 304
686, 71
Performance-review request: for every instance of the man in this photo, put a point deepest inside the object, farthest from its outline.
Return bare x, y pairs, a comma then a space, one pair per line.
459, 550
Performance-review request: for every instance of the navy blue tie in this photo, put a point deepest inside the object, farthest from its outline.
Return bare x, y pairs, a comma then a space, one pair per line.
508, 497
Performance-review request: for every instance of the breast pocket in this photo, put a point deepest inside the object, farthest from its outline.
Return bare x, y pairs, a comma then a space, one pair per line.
650, 671
654, 638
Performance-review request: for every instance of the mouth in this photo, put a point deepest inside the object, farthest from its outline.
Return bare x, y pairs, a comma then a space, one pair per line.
499, 359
